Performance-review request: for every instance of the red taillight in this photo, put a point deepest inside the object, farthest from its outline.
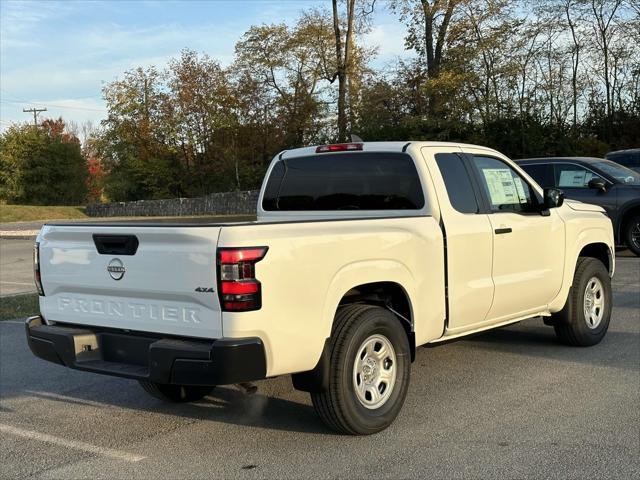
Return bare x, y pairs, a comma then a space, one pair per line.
236, 255
239, 290
339, 147
36, 269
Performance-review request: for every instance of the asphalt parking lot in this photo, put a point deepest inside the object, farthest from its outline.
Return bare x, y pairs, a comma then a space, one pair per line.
508, 403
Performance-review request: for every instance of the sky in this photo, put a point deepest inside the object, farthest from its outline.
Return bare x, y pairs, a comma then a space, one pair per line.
59, 55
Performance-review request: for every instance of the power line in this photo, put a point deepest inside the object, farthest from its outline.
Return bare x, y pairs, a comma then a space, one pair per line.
53, 105
35, 112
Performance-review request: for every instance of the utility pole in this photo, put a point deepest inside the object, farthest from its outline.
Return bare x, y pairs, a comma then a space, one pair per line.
35, 112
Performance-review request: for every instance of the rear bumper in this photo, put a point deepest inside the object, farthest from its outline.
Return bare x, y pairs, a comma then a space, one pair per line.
134, 355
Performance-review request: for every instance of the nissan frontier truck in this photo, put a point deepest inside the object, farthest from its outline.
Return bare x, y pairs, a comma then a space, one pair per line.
361, 253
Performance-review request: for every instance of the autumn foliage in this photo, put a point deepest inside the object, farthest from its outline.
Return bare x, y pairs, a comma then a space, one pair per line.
42, 166
550, 77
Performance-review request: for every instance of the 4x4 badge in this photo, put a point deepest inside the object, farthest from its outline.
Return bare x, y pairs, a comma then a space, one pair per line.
205, 289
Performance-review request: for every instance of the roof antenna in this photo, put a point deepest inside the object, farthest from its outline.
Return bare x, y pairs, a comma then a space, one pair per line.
356, 139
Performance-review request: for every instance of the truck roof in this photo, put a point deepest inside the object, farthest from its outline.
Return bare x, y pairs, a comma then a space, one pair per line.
379, 147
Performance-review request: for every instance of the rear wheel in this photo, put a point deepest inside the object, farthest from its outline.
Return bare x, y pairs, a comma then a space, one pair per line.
632, 234
176, 393
369, 371
584, 320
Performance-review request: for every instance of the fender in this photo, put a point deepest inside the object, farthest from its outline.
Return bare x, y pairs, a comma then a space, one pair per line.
361, 273
345, 279
585, 237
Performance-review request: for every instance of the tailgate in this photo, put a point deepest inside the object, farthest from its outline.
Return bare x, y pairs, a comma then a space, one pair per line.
166, 285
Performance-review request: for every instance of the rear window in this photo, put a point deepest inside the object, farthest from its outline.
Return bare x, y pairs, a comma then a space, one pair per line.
344, 181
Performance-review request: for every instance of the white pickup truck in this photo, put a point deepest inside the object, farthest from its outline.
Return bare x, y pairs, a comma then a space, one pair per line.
361, 253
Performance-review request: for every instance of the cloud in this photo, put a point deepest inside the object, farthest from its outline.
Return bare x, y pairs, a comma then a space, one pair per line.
389, 40
18, 19
62, 53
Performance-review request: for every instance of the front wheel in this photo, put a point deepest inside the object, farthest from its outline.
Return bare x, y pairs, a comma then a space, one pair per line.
369, 371
175, 393
631, 234
584, 320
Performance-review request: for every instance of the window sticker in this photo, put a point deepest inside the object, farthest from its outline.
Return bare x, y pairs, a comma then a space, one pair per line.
502, 187
520, 188
574, 178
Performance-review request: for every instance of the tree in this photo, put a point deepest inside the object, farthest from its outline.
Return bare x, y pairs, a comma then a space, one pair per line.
204, 119
42, 166
568, 7
138, 146
284, 60
345, 30
428, 33
529, 78
604, 14
491, 30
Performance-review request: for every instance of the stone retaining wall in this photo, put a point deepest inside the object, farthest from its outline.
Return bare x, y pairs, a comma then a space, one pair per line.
228, 203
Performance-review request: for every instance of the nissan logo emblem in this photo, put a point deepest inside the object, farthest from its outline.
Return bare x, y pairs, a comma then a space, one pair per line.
116, 269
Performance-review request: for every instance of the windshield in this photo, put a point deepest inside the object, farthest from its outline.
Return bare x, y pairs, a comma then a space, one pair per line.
620, 173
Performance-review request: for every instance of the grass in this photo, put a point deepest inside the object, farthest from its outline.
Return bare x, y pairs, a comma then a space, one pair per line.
28, 213
18, 306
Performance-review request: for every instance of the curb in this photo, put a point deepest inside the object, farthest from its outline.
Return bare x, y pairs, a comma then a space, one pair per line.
18, 237
18, 234
21, 294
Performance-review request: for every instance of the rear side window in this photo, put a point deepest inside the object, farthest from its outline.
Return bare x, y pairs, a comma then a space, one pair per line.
542, 174
458, 183
344, 181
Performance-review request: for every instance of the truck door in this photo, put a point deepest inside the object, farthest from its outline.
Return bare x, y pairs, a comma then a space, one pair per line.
528, 247
468, 235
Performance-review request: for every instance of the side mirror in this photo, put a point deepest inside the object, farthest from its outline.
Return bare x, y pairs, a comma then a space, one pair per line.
597, 184
553, 198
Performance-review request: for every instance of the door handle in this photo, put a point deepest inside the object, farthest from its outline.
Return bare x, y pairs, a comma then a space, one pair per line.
503, 230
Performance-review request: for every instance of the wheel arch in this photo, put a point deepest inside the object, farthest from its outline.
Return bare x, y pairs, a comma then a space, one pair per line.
627, 212
599, 251
389, 295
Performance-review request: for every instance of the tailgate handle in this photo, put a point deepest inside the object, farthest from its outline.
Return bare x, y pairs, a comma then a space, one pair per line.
116, 244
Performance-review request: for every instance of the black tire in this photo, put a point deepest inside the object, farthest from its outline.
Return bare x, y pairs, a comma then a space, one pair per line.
571, 324
631, 234
339, 406
176, 393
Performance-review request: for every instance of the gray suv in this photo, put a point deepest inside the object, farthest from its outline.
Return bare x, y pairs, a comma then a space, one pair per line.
598, 181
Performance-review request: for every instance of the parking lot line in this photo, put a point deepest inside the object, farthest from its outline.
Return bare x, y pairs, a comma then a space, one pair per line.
86, 447
61, 398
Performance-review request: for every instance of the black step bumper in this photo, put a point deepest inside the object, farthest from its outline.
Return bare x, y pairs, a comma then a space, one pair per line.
134, 355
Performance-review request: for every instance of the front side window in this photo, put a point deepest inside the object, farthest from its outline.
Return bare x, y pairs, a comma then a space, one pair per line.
506, 190
569, 175
344, 181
